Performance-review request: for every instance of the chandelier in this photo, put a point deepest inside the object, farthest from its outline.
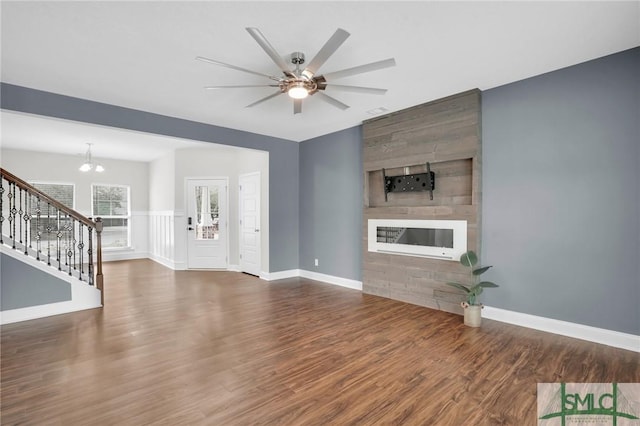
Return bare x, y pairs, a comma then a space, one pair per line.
88, 164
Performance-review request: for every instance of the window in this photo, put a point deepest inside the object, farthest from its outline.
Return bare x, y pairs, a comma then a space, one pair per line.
61, 192
112, 204
45, 227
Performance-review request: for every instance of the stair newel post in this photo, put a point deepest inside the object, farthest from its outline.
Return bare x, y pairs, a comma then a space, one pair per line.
99, 277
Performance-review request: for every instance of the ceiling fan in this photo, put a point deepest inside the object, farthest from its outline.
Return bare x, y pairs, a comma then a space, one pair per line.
300, 83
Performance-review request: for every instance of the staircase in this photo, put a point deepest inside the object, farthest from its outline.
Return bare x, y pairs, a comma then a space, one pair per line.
47, 235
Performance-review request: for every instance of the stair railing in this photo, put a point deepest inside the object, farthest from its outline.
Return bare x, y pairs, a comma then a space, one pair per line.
43, 228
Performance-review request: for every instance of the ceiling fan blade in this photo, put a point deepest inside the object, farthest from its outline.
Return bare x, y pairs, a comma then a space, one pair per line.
267, 47
233, 67
241, 86
297, 106
266, 98
333, 101
360, 69
325, 52
358, 89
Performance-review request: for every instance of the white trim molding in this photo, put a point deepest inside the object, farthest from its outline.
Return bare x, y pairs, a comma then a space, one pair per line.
162, 237
330, 279
616, 339
316, 276
108, 256
176, 266
280, 275
233, 268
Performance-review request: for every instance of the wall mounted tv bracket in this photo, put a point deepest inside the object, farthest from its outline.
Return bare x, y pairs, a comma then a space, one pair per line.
410, 182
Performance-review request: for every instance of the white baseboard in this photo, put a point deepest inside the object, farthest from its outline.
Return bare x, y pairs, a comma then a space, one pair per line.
171, 264
124, 255
163, 261
330, 279
316, 276
280, 275
182, 266
41, 311
616, 339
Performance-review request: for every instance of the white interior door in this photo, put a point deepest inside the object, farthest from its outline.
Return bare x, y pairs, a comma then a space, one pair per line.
207, 223
250, 223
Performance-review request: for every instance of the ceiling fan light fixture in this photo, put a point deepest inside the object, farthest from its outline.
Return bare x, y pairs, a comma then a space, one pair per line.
298, 91
301, 83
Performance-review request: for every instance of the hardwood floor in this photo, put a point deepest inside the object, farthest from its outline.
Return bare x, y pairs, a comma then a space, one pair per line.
223, 348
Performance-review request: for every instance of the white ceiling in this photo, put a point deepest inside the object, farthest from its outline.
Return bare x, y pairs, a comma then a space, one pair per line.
141, 54
46, 134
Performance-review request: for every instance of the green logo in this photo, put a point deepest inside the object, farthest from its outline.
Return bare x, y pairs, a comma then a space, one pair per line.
588, 403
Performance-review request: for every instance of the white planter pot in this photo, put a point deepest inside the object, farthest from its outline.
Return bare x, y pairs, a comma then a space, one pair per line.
473, 315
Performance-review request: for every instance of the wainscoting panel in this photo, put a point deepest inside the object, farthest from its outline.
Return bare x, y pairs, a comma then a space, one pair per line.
162, 237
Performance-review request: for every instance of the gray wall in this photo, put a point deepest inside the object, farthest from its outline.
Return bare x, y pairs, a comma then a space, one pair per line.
24, 286
331, 204
561, 203
283, 154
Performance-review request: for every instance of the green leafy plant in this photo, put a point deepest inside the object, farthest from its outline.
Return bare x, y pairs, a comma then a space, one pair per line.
473, 290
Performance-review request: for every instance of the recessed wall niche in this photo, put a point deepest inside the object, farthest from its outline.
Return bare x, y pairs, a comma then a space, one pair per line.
445, 133
452, 185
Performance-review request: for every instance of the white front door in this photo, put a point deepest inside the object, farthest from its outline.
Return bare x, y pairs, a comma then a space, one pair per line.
250, 223
207, 223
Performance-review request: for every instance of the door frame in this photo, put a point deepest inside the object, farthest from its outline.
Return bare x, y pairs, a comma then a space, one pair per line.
240, 176
186, 215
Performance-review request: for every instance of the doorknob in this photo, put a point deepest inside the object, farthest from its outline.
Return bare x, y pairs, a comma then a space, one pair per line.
190, 229
257, 230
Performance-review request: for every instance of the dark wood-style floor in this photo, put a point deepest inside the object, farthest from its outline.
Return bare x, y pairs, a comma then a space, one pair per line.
223, 348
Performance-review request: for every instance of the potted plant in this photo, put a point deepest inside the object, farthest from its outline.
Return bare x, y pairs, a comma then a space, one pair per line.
472, 307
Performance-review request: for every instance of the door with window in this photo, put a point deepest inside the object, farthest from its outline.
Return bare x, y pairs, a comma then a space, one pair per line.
207, 223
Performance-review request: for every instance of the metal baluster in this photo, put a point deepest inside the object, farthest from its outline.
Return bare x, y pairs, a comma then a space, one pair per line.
65, 237
75, 246
70, 242
90, 254
81, 248
59, 237
27, 221
29, 216
12, 213
38, 231
20, 214
49, 229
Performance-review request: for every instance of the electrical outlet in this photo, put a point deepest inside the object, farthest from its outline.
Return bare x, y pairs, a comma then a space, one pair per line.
316, 262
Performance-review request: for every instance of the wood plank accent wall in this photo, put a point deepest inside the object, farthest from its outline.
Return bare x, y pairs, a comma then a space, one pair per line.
447, 134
